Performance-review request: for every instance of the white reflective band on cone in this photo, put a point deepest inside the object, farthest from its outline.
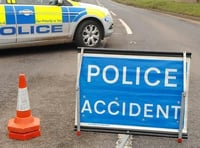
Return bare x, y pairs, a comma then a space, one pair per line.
23, 100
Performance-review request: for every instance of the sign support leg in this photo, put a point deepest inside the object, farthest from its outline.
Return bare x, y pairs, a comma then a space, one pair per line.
181, 118
183, 100
78, 133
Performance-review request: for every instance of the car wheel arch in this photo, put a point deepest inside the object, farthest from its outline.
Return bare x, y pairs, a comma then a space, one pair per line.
87, 19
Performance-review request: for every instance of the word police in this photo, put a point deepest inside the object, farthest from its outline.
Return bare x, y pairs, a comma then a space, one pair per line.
120, 75
40, 29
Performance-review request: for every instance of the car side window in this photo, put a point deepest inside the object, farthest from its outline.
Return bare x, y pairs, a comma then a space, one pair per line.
66, 3
33, 2
25, 2
2, 1
7, 1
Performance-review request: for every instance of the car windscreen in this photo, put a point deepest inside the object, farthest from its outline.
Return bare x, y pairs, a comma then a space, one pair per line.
34, 2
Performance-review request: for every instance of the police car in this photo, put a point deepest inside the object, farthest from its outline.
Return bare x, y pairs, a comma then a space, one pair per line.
43, 22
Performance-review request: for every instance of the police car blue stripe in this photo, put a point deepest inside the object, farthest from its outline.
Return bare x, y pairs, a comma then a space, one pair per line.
65, 15
80, 15
22, 18
10, 17
76, 13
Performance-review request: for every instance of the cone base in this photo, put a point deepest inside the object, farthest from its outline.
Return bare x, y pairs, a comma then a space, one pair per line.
25, 136
23, 125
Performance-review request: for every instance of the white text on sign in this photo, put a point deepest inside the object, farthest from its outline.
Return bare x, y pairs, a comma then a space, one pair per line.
169, 74
115, 108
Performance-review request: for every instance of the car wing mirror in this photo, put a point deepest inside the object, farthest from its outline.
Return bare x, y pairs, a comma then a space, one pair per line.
60, 2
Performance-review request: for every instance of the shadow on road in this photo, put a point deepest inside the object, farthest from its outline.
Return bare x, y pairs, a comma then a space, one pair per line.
37, 49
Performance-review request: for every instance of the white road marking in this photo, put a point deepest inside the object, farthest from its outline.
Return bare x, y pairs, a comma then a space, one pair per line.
113, 13
98, 3
124, 141
128, 29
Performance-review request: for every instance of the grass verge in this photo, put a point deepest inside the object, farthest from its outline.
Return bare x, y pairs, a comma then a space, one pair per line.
183, 8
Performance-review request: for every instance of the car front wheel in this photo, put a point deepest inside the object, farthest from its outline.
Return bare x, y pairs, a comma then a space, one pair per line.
88, 34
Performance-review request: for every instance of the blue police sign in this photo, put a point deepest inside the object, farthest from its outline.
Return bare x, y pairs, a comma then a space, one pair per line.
132, 92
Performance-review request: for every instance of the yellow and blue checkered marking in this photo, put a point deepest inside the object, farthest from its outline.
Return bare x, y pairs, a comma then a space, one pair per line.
23, 19
48, 15
42, 14
2, 16
7, 18
10, 17
65, 15
76, 13
48, 19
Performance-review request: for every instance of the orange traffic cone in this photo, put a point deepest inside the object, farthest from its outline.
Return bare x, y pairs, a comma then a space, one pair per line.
24, 126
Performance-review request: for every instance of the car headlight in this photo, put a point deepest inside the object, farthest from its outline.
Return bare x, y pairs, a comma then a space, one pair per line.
108, 18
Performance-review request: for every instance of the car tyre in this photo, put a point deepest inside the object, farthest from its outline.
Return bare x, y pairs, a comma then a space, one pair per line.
89, 34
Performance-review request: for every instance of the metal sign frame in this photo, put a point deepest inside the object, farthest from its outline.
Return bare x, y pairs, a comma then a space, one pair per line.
180, 133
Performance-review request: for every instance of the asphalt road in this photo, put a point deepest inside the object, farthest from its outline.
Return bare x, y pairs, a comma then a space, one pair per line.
51, 77
157, 31
51, 74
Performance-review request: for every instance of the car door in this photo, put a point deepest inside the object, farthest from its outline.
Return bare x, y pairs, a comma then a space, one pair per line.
7, 24
38, 21
49, 22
